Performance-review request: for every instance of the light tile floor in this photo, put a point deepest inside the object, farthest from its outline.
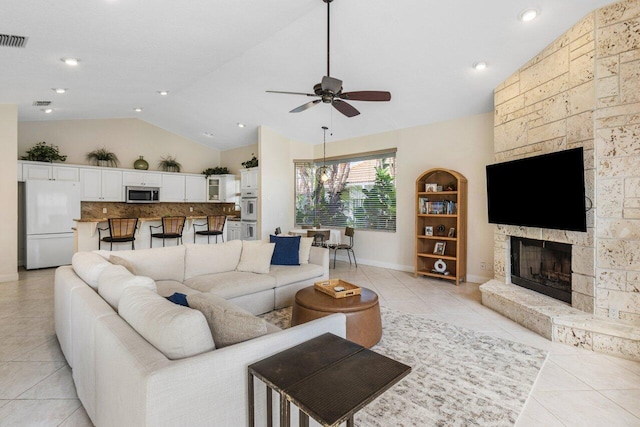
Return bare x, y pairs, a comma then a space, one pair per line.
575, 387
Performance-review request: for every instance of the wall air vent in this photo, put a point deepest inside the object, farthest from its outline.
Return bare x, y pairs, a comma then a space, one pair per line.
41, 103
9, 40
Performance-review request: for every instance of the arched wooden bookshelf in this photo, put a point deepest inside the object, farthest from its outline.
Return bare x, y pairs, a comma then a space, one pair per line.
441, 222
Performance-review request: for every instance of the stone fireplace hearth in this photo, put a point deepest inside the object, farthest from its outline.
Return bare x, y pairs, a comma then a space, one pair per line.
580, 91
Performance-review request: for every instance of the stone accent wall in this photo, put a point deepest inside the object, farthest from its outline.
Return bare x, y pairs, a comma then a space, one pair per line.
583, 90
617, 145
548, 106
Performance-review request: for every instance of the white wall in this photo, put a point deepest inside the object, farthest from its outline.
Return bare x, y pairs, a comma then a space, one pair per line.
233, 159
464, 145
9, 192
127, 138
276, 154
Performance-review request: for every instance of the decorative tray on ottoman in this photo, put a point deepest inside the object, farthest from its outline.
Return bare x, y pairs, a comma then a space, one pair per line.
329, 288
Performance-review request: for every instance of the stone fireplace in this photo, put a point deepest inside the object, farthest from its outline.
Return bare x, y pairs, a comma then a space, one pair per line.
542, 266
583, 90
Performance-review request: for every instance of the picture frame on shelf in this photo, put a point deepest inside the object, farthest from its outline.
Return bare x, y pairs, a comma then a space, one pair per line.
452, 232
430, 188
428, 230
439, 248
440, 230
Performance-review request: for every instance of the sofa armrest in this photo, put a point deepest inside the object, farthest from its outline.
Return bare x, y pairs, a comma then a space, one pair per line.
139, 386
319, 256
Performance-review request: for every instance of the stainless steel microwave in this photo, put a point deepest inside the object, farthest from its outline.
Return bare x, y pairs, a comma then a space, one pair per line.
142, 194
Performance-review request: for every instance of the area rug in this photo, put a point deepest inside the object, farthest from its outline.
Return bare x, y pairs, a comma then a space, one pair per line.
459, 377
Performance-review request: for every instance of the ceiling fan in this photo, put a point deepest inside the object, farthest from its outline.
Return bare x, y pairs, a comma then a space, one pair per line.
330, 89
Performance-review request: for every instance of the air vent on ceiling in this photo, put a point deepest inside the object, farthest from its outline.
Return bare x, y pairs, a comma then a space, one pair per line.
9, 40
41, 103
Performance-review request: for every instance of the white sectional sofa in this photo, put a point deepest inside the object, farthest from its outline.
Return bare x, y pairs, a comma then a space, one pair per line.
138, 359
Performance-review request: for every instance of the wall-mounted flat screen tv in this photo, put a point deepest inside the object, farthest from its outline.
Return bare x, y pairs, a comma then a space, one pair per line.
544, 191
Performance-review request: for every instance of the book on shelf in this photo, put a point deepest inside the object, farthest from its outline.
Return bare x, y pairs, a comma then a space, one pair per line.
441, 207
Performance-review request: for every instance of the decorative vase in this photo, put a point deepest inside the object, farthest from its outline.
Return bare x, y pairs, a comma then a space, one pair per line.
103, 163
141, 164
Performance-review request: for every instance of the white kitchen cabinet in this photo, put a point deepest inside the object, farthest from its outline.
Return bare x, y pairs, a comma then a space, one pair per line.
182, 188
195, 189
234, 230
20, 178
172, 188
49, 172
99, 185
249, 178
222, 188
142, 179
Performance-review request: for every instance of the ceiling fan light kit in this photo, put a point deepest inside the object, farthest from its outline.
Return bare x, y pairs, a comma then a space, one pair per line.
329, 90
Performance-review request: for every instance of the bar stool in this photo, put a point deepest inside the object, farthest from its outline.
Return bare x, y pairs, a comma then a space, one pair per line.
215, 227
171, 229
121, 230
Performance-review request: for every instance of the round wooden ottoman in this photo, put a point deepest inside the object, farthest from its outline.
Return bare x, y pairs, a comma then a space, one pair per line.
364, 326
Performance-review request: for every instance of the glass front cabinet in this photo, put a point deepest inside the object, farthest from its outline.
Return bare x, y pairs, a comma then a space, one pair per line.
222, 188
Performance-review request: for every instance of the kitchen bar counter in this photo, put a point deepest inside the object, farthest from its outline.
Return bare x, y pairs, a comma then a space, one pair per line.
86, 233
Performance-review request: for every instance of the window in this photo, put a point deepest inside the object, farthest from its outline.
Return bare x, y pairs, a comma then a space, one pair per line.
360, 192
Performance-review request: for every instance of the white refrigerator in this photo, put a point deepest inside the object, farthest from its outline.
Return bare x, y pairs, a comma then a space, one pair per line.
50, 209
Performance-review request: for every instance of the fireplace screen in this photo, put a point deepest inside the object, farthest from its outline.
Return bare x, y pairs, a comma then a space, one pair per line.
542, 266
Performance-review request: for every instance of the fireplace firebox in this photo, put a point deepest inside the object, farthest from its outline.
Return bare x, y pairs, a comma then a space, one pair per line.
542, 266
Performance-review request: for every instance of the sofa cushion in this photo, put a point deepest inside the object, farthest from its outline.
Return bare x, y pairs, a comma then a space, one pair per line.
209, 259
115, 279
286, 274
176, 331
232, 284
157, 263
228, 323
286, 251
89, 266
168, 287
305, 249
256, 256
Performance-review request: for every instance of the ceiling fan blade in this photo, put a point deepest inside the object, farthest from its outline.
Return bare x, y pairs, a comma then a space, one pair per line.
292, 93
366, 95
346, 109
305, 106
332, 85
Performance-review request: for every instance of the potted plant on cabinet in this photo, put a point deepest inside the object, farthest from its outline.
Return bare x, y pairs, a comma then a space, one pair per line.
251, 163
102, 157
219, 170
42, 152
169, 164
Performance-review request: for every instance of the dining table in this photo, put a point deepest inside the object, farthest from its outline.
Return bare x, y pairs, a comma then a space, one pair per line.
335, 234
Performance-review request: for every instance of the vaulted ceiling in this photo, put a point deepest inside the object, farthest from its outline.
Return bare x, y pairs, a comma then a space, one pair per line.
216, 58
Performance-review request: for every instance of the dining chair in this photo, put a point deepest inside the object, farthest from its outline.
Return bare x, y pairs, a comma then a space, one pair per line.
171, 229
215, 227
335, 247
319, 237
121, 230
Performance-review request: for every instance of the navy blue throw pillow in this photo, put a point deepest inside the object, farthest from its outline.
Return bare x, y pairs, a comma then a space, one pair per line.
286, 251
180, 299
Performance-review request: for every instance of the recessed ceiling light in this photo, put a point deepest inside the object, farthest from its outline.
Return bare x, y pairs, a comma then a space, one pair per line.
59, 89
240, 125
47, 110
529, 15
479, 66
137, 110
163, 92
70, 61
